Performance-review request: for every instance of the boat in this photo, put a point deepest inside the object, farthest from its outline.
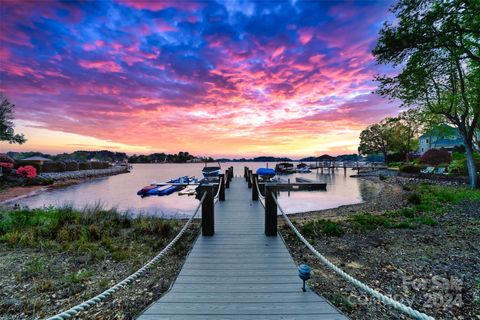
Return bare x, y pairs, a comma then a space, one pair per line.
188, 191
285, 168
165, 189
211, 172
266, 173
148, 190
304, 170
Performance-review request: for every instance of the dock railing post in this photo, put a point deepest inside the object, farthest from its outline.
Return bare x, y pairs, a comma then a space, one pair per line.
231, 173
254, 187
221, 194
245, 173
270, 211
249, 178
227, 178
208, 223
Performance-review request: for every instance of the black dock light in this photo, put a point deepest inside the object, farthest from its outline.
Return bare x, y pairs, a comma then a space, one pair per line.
304, 274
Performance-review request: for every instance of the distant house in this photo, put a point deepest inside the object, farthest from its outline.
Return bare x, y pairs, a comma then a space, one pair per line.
443, 136
37, 160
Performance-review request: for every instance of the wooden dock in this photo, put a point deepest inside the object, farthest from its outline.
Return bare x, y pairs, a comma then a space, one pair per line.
239, 273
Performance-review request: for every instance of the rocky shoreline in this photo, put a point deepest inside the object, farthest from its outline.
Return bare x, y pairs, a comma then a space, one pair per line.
60, 179
82, 174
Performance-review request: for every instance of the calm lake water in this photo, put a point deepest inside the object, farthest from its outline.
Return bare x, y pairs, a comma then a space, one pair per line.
120, 191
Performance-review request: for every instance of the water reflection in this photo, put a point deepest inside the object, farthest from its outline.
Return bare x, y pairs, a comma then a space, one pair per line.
120, 191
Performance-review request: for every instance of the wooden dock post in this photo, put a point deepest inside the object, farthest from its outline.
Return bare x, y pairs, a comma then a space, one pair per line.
208, 223
245, 173
270, 211
227, 178
221, 193
254, 187
249, 174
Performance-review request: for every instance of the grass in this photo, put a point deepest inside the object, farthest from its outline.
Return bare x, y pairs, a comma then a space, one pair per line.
326, 227
424, 203
93, 230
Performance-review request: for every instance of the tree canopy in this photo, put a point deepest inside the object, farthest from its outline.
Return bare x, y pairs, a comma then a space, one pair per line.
436, 44
7, 132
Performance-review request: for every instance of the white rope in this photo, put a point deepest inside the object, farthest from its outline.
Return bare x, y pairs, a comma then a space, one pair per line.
383, 298
261, 198
218, 191
102, 296
217, 196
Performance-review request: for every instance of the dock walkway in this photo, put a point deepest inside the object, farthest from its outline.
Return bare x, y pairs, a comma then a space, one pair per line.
239, 273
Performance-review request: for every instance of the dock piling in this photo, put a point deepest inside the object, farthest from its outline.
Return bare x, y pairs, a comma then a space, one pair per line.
255, 188
270, 211
227, 178
249, 178
221, 193
208, 224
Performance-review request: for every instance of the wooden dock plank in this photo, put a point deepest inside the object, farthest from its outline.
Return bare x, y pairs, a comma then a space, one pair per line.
239, 273
244, 317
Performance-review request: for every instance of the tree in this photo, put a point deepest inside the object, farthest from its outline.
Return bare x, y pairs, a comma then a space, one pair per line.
378, 138
437, 44
6, 122
410, 124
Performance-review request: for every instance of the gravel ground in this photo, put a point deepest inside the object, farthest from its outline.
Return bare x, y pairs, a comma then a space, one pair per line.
37, 283
435, 269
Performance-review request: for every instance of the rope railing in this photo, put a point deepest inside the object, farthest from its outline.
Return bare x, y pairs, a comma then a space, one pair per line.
383, 298
261, 198
105, 294
217, 196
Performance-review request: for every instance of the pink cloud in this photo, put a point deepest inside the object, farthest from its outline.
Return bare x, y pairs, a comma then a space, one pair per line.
305, 35
102, 66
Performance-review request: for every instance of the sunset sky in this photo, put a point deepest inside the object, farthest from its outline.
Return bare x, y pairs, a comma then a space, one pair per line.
227, 78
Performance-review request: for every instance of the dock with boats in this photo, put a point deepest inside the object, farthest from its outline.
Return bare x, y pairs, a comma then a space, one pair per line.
239, 268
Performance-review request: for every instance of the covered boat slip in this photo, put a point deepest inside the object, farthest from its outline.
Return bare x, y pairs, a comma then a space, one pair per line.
239, 273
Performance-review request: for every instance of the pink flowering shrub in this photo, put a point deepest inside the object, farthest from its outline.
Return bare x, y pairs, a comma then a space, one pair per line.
27, 171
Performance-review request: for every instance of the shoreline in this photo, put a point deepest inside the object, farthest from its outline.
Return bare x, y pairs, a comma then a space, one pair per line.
392, 240
9, 195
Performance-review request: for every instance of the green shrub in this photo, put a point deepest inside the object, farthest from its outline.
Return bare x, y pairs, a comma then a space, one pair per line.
71, 166
458, 156
53, 166
459, 167
96, 165
409, 168
394, 164
84, 166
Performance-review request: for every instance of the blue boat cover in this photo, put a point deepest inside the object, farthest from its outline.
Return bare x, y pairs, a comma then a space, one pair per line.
265, 172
